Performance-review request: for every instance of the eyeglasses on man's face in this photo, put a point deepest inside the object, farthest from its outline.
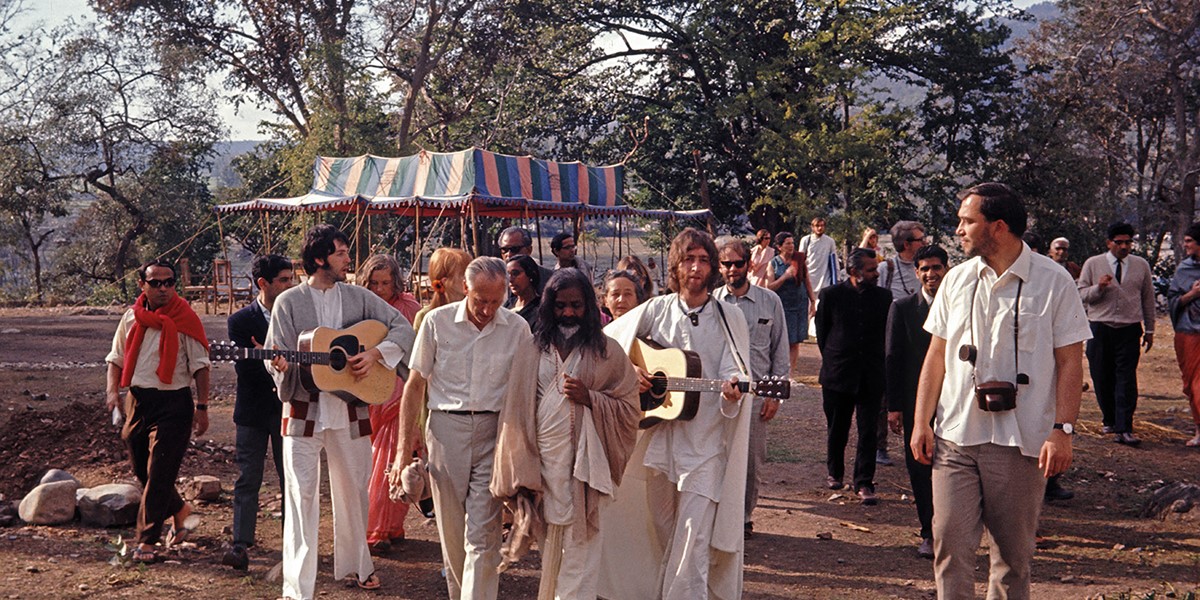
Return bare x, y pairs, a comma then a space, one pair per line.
160, 283
733, 264
511, 249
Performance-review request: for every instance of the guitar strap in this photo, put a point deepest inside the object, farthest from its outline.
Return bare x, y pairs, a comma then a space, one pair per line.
737, 355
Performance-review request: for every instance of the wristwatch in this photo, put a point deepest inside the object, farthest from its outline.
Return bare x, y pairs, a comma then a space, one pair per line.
201, 407
1066, 428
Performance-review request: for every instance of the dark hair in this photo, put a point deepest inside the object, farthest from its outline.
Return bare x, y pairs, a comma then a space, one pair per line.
998, 202
931, 251
556, 243
1121, 228
526, 239
855, 261
268, 266
319, 243
635, 265
158, 262
1034, 241
688, 239
590, 335
530, 267
1193, 231
737, 243
782, 237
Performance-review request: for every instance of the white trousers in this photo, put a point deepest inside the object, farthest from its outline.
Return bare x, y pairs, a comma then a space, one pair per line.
684, 523
462, 449
349, 470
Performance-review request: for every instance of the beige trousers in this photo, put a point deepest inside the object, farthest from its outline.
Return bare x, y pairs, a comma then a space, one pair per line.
989, 486
756, 456
462, 449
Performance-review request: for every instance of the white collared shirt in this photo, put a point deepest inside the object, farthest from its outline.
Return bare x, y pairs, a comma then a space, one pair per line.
466, 367
1051, 316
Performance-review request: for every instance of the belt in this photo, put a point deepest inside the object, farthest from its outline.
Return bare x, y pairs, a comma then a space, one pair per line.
470, 412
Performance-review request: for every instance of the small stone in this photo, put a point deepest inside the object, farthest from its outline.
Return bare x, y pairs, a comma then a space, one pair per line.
83, 587
32, 569
1118, 546
203, 487
825, 535
52, 560
841, 561
58, 475
835, 497
1067, 578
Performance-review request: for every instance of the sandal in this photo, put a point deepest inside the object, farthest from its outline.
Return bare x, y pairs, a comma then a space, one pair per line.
180, 535
143, 556
1193, 443
371, 583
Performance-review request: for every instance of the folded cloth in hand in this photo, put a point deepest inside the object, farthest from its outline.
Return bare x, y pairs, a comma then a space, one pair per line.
412, 484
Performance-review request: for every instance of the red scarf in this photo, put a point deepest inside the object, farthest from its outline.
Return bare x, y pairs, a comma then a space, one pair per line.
174, 318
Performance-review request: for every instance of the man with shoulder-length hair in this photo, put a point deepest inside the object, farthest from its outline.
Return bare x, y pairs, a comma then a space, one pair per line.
474, 361
1001, 383
313, 422
693, 472
158, 350
583, 427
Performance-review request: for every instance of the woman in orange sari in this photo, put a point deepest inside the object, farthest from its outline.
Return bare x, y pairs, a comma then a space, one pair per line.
385, 518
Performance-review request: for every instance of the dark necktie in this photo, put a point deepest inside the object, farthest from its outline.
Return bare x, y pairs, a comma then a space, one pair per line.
1118, 270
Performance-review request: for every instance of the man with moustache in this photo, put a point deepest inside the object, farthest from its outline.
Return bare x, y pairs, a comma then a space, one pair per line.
1019, 316
583, 426
314, 422
473, 361
1059, 249
257, 411
687, 478
906, 345
1118, 294
851, 326
769, 356
516, 240
159, 348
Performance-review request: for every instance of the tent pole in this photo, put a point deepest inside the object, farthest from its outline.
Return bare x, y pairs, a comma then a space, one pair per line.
537, 223
416, 268
221, 234
267, 230
475, 227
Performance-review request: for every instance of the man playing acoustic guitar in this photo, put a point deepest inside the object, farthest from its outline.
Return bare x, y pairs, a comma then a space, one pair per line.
693, 472
316, 421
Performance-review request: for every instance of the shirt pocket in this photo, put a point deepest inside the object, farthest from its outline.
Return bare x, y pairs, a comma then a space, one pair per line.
1035, 331
760, 335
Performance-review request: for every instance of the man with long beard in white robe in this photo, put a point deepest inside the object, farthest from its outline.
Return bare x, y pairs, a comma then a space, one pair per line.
680, 507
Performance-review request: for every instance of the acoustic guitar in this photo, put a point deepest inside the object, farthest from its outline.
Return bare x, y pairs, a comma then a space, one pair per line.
674, 393
323, 360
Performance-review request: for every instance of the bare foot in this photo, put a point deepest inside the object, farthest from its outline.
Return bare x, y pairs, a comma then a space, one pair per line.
182, 515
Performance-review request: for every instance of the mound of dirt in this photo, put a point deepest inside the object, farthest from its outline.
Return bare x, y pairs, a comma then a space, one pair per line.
74, 436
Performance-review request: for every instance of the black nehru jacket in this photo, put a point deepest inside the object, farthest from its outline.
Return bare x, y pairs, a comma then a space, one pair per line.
851, 327
907, 344
257, 401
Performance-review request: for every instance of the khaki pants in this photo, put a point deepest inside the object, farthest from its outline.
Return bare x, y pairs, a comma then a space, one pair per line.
462, 449
756, 456
984, 486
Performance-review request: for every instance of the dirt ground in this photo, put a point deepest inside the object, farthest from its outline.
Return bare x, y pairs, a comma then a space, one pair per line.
1094, 546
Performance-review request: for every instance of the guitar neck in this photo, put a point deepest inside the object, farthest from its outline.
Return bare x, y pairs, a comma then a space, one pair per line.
292, 356
685, 384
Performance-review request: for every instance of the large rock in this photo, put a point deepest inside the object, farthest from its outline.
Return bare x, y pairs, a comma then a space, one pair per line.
1172, 499
58, 475
49, 503
203, 487
109, 505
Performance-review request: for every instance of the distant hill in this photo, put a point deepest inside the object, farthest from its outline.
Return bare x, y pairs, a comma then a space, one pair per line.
222, 173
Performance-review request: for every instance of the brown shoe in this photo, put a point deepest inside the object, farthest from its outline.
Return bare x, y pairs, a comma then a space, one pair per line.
867, 495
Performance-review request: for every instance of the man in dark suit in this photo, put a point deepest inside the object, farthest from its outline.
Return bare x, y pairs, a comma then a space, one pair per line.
851, 321
257, 411
907, 342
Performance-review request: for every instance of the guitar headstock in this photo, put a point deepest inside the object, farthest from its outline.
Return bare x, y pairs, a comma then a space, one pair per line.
776, 386
225, 351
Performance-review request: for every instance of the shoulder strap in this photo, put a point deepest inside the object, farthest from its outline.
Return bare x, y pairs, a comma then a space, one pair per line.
891, 263
737, 356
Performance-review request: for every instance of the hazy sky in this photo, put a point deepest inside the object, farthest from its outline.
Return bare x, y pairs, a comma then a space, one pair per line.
243, 123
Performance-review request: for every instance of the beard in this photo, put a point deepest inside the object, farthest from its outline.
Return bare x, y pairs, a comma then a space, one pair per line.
568, 328
736, 283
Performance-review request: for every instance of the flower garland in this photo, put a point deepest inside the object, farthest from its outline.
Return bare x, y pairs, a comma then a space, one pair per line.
438, 286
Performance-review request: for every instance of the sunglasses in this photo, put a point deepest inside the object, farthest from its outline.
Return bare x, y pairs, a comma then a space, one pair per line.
158, 283
566, 247
733, 264
511, 249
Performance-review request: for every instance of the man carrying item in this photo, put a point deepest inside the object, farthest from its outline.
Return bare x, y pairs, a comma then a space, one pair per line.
1001, 382
314, 422
1118, 294
583, 426
686, 479
851, 328
159, 348
257, 411
768, 350
907, 343
473, 359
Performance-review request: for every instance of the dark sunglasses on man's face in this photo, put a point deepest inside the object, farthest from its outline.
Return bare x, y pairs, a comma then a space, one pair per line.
733, 264
511, 249
158, 283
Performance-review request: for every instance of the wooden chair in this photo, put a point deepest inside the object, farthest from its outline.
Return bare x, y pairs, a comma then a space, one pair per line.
189, 286
226, 287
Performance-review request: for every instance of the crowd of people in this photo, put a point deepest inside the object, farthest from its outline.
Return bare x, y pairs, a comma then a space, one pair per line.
978, 369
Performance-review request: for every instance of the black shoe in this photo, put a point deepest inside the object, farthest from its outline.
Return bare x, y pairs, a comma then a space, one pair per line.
1107, 429
1127, 438
426, 507
833, 483
1054, 491
867, 495
925, 550
882, 458
237, 558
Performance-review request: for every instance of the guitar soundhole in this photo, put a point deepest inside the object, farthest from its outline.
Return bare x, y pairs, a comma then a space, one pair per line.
656, 396
340, 349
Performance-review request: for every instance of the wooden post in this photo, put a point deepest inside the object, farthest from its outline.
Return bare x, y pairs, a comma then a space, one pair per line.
415, 282
475, 227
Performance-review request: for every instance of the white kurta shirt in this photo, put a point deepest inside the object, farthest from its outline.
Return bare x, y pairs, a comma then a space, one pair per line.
554, 436
692, 453
973, 297
817, 251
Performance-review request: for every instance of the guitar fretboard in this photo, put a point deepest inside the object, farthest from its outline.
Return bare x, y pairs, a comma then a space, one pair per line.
684, 384
292, 356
